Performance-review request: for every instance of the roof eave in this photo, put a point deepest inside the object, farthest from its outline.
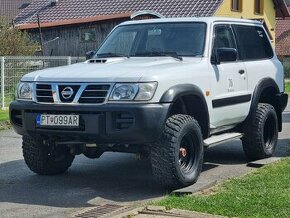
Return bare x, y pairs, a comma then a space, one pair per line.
27, 26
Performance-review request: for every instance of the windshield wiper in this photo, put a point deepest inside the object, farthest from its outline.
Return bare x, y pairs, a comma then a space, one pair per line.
110, 54
173, 55
157, 53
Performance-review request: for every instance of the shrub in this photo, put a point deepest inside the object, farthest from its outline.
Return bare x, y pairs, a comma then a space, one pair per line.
15, 42
287, 70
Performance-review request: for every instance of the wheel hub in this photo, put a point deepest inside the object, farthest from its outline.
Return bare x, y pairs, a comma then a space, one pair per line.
183, 152
186, 153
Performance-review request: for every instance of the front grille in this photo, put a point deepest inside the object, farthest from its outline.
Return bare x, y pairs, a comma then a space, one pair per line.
44, 93
69, 99
94, 94
72, 93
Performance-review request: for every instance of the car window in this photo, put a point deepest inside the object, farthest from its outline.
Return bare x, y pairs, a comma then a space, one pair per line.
253, 42
122, 43
156, 39
224, 37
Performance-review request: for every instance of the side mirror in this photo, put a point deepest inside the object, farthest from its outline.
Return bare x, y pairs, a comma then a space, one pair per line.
224, 55
90, 54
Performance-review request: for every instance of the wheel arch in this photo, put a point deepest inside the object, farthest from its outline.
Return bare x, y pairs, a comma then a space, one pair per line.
184, 97
266, 91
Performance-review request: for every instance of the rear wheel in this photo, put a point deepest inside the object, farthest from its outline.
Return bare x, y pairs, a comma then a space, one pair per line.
45, 160
261, 137
177, 157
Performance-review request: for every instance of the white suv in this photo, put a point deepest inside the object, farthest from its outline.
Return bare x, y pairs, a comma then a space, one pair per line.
164, 88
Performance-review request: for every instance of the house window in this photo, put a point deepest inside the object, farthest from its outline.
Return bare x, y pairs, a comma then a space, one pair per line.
88, 35
258, 7
236, 5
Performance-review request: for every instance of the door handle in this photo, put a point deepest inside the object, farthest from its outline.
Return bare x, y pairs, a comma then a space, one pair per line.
241, 72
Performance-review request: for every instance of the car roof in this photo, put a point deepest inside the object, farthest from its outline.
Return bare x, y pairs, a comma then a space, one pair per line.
207, 20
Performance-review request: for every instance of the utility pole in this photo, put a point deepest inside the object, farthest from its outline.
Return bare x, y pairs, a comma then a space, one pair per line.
40, 35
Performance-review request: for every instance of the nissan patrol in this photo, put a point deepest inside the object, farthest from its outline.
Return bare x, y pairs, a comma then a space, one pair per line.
163, 88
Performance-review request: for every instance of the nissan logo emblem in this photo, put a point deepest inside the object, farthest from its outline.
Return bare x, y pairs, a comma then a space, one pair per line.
67, 92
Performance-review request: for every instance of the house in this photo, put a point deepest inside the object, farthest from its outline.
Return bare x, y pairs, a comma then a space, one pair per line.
73, 27
10, 8
283, 36
266, 11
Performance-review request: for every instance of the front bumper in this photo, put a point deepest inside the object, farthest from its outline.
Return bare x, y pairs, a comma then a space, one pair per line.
108, 124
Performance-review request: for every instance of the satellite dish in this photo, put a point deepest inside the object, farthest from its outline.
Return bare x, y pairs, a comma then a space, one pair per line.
145, 14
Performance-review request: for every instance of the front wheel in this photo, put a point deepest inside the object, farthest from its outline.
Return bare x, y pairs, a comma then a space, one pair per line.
45, 160
261, 137
177, 157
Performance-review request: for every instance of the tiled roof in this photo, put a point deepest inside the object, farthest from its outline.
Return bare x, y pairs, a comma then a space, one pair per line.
282, 25
82, 9
283, 36
10, 8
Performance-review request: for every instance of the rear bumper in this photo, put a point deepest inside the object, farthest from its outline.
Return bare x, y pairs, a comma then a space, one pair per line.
110, 123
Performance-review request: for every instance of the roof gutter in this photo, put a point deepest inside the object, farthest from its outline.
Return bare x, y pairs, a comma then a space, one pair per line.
28, 26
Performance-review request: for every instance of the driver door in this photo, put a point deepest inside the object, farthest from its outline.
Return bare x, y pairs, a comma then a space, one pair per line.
229, 83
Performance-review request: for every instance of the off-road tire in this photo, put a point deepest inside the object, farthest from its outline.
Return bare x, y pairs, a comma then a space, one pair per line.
39, 158
261, 137
165, 153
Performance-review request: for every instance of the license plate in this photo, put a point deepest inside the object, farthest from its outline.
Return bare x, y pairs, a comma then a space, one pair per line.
57, 120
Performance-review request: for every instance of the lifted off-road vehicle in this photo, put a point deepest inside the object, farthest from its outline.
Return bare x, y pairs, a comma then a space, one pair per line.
163, 88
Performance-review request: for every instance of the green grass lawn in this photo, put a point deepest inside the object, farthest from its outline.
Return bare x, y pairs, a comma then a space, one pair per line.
263, 193
4, 115
287, 87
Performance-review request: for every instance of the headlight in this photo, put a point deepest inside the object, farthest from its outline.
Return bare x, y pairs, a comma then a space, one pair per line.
133, 91
24, 91
124, 92
146, 91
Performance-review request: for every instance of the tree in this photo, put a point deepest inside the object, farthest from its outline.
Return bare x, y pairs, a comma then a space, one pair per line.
15, 42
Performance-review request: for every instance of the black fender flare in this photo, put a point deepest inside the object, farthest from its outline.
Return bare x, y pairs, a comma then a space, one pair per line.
259, 89
178, 91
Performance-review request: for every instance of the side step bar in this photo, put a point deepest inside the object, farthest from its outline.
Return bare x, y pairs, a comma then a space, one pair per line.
218, 139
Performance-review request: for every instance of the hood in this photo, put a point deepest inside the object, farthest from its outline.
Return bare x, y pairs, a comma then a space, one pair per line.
112, 70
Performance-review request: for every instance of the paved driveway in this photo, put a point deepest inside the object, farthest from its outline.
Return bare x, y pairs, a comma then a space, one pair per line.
117, 178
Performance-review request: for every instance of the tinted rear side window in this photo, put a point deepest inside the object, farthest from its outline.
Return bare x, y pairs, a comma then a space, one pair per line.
253, 42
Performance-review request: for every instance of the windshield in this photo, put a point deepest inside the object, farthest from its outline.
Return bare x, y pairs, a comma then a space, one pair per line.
155, 39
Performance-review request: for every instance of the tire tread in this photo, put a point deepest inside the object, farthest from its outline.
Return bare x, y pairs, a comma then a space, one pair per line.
36, 157
253, 143
163, 152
